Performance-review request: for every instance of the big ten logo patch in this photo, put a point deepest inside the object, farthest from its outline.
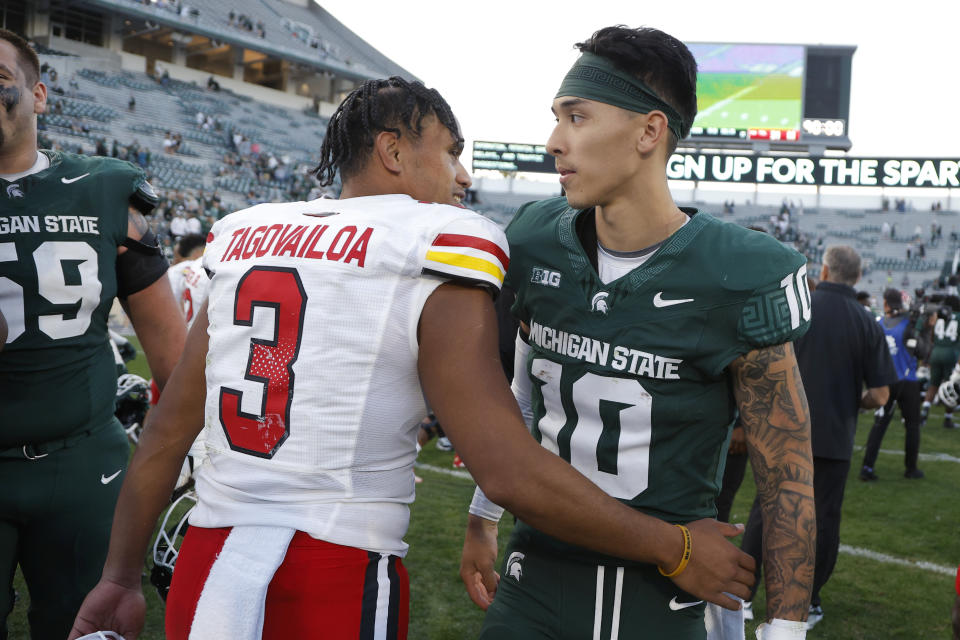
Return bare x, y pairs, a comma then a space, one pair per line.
546, 277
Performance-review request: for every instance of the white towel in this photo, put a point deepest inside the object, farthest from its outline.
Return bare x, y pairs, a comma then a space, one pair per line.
723, 624
231, 604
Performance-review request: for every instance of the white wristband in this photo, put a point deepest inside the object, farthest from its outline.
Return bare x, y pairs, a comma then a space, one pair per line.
481, 507
780, 629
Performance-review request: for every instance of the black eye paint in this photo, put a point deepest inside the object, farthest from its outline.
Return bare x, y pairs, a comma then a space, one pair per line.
9, 97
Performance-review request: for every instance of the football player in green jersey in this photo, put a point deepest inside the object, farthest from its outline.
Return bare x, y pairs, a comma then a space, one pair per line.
645, 328
72, 238
944, 356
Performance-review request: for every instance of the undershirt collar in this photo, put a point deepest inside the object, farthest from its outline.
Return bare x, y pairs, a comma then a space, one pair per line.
42, 163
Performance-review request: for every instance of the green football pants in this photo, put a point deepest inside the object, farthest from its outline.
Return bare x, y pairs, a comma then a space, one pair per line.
544, 596
942, 361
55, 518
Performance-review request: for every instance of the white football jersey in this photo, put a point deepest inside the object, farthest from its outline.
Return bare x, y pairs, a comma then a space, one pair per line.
313, 398
190, 283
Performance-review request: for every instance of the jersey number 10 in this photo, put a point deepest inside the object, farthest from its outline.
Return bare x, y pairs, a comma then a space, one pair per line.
599, 424
796, 287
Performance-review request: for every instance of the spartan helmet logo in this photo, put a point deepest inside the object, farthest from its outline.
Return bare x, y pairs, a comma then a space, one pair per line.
599, 303
515, 565
13, 191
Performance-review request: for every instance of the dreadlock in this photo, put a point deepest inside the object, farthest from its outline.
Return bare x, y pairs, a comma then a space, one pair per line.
393, 105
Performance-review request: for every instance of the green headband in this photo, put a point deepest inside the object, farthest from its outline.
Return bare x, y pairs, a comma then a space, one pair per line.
595, 78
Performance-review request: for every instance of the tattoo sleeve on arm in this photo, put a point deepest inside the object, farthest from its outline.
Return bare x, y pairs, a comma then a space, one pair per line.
776, 420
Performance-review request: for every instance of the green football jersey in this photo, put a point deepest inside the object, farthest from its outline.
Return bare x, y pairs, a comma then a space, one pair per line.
945, 332
630, 381
59, 233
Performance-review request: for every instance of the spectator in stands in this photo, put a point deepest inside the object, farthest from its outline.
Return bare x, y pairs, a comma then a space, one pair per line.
843, 350
231, 17
194, 225
178, 225
102, 147
132, 103
905, 391
212, 84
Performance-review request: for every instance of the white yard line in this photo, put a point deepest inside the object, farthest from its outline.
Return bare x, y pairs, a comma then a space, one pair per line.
926, 457
887, 559
844, 548
457, 473
722, 103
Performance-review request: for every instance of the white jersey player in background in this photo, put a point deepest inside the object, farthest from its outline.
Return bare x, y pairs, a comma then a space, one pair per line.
190, 284
188, 279
324, 318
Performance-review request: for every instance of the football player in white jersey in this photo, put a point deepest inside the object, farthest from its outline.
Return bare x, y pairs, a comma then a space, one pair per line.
187, 276
190, 284
323, 321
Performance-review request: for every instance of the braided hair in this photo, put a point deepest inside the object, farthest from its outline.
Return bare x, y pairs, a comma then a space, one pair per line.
391, 104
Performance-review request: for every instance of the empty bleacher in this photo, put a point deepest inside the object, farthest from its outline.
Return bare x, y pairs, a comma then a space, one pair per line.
97, 107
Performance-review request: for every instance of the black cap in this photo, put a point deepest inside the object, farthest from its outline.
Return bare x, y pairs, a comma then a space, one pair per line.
893, 298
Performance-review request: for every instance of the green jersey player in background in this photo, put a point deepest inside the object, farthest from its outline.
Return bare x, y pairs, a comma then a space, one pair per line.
644, 329
72, 238
943, 357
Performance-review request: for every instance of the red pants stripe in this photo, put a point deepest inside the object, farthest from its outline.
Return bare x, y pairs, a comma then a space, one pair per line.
321, 590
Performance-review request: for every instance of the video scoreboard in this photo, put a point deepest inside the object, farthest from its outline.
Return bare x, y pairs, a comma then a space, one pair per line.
759, 97
783, 95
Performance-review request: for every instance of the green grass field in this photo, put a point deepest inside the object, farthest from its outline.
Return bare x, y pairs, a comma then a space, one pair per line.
910, 520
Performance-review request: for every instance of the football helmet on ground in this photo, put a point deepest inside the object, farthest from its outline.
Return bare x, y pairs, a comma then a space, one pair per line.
166, 547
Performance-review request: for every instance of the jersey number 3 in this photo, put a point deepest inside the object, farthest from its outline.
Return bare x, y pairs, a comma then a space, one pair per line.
270, 362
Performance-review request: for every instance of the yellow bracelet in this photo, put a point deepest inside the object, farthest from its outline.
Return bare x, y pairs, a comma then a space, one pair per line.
685, 558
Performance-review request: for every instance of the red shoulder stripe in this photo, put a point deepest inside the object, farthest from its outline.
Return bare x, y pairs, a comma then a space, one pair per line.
459, 240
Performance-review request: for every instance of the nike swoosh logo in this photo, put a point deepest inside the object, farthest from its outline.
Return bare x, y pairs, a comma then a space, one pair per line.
71, 180
659, 302
108, 479
677, 606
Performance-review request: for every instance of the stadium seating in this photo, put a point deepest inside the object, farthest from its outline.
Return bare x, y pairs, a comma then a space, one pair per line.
298, 30
98, 108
